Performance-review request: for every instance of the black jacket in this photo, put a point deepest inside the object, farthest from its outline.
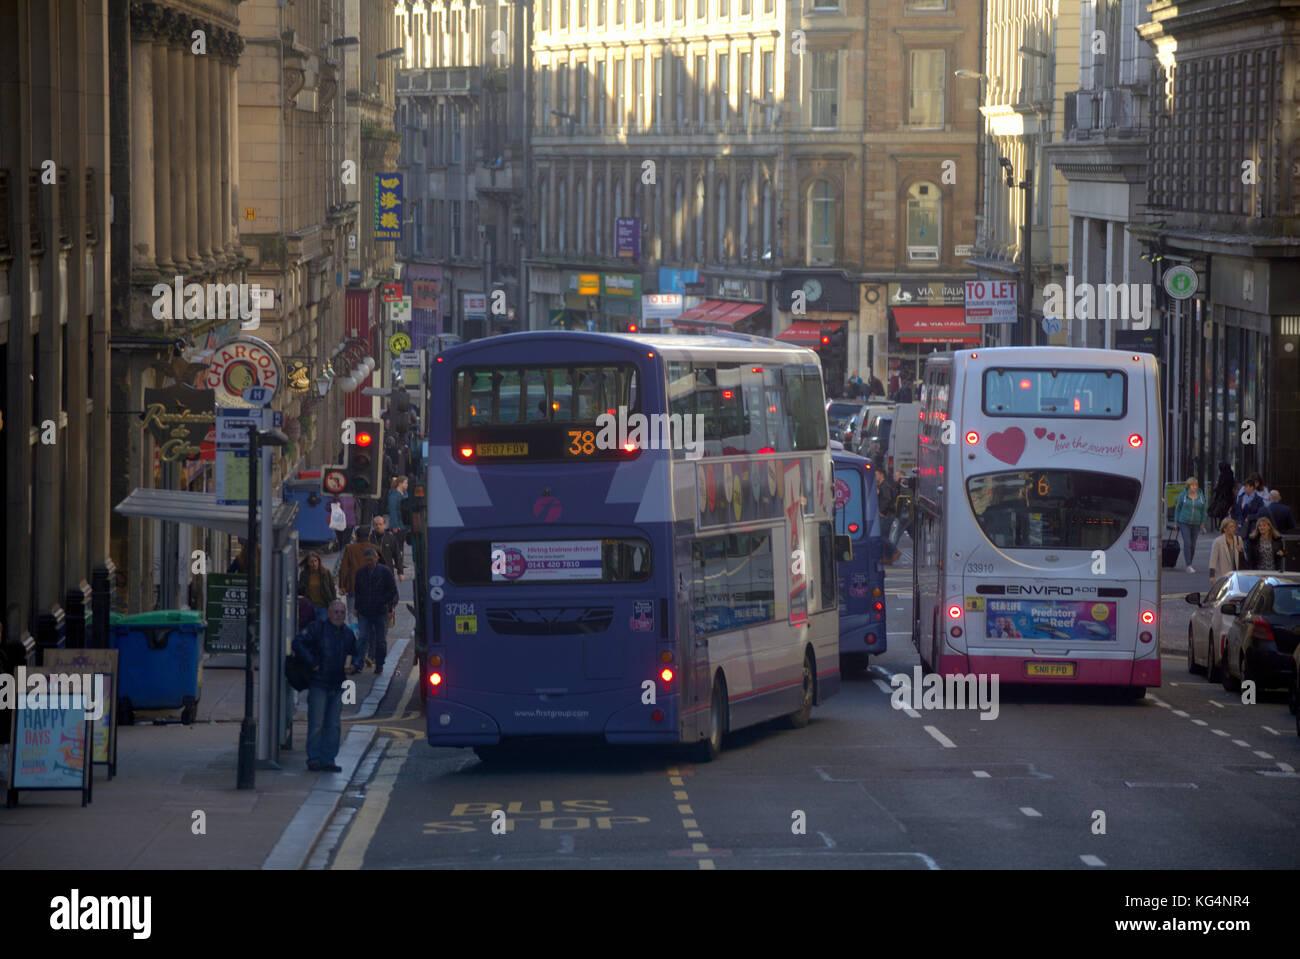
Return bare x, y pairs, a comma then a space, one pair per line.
327, 646
1280, 515
390, 549
1253, 552
375, 591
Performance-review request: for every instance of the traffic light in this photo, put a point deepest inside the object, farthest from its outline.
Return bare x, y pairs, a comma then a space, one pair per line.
364, 458
632, 328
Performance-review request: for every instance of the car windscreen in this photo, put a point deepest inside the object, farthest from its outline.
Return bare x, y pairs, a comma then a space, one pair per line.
1052, 509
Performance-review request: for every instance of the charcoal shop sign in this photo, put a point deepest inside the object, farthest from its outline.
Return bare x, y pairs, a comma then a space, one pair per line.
178, 418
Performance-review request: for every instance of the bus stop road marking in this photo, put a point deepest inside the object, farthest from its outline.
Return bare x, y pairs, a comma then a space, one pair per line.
353, 851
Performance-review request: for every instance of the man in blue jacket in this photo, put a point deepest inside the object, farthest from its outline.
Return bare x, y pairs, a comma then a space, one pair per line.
375, 589
325, 647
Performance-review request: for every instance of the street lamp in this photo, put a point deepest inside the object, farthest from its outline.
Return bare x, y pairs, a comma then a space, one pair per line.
1023, 330
247, 770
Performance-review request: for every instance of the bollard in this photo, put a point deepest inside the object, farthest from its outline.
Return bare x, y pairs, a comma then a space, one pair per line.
76, 603
101, 603
51, 632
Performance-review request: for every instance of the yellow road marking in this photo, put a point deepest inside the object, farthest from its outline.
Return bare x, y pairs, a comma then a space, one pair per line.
353, 851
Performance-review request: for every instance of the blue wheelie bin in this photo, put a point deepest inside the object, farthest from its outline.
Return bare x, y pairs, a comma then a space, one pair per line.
160, 662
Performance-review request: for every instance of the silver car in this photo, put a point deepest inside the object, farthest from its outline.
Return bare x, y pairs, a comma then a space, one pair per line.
1208, 630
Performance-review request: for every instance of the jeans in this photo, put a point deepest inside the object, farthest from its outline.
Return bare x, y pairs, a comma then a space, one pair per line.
374, 630
1189, 531
324, 710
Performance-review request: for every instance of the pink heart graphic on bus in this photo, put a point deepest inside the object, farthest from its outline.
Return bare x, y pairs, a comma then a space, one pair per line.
1039, 432
1007, 445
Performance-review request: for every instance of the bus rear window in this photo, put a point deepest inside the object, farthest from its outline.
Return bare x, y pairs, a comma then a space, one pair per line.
1087, 394
1053, 509
850, 503
542, 395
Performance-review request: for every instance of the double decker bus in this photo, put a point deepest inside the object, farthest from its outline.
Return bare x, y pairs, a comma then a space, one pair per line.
591, 579
1039, 516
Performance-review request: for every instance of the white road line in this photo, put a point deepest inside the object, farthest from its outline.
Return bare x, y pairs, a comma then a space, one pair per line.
943, 740
1270, 729
1200, 722
1179, 712
1031, 812
1091, 861
981, 774
1219, 732
830, 843
1262, 755
1216, 704
883, 687
911, 712
1242, 743
1286, 767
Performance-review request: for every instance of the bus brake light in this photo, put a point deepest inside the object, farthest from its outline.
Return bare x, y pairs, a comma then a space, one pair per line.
666, 675
435, 680
1148, 617
972, 437
467, 451
853, 527
1025, 384
954, 612
1135, 441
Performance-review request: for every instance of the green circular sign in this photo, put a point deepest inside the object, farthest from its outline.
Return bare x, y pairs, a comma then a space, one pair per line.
1181, 282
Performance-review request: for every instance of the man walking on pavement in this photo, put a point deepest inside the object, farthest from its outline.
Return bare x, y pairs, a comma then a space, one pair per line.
389, 545
325, 647
375, 588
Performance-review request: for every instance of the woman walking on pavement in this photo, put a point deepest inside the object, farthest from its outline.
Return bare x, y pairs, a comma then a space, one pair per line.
1226, 555
1189, 514
395, 497
316, 583
1264, 547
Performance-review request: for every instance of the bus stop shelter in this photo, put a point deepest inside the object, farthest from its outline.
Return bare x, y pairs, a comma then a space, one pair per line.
279, 616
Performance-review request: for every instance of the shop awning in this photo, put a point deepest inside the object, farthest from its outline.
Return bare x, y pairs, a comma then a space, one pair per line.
808, 332
717, 313
934, 324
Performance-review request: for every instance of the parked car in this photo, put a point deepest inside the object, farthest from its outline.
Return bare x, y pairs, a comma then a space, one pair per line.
1262, 639
1208, 629
857, 442
838, 415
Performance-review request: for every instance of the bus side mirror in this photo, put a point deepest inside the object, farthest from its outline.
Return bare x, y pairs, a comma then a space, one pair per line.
843, 548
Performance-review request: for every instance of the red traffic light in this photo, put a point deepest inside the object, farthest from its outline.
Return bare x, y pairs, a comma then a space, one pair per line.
825, 340
364, 439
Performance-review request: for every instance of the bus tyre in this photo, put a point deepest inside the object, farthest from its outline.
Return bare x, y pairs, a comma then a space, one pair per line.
707, 750
854, 664
1137, 692
799, 718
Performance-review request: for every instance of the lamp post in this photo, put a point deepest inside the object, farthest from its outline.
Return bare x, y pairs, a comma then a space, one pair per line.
1022, 334
247, 770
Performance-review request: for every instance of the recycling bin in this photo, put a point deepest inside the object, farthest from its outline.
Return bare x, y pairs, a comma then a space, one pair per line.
160, 662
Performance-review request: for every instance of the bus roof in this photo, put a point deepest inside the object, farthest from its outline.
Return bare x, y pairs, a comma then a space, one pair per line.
1040, 355
670, 346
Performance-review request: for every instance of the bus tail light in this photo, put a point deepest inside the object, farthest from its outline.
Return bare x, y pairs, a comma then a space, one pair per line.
955, 632
1148, 617
435, 682
954, 611
879, 607
466, 452
1135, 441
657, 716
1145, 637
666, 674
972, 437
1261, 631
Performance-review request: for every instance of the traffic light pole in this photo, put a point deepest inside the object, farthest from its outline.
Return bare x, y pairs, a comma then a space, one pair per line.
246, 776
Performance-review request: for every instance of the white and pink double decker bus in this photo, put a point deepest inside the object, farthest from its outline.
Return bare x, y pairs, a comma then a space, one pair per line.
1039, 517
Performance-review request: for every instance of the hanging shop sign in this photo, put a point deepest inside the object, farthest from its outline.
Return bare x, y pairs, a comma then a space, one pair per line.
178, 418
388, 206
238, 364
299, 376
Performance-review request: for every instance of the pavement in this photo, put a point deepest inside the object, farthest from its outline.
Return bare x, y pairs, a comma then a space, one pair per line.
167, 774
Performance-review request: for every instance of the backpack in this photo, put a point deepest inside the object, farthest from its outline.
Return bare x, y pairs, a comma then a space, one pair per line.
297, 672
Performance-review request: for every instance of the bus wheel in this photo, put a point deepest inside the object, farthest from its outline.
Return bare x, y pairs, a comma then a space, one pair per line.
1137, 692
854, 664
799, 718
707, 750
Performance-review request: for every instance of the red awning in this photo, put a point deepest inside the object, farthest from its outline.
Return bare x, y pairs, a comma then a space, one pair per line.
809, 332
934, 324
717, 313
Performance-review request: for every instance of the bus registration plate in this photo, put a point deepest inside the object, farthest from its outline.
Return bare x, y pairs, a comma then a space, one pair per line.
502, 449
1049, 669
